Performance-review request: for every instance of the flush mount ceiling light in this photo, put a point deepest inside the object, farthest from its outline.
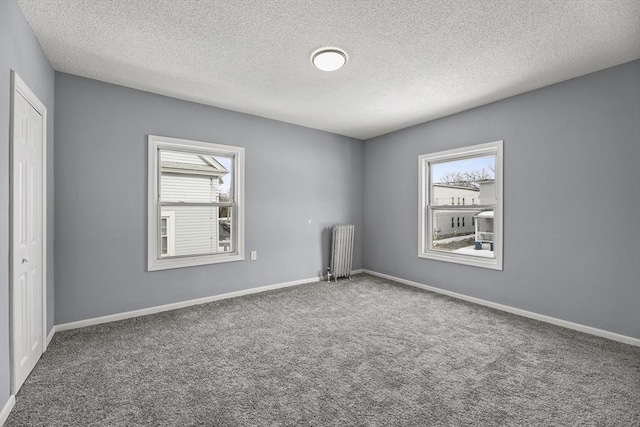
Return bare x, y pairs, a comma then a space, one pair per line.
329, 59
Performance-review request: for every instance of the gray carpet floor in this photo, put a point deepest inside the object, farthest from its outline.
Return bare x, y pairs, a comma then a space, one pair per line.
364, 352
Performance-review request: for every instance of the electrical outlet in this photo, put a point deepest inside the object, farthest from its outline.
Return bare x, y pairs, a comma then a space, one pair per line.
254, 255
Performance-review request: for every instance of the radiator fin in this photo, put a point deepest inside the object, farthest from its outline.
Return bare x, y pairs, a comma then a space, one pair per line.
341, 250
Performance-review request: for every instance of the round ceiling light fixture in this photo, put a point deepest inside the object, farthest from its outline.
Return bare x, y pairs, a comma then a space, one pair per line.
329, 59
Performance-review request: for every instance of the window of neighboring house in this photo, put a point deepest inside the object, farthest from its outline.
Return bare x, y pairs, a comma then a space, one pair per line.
474, 172
196, 203
453, 224
167, 225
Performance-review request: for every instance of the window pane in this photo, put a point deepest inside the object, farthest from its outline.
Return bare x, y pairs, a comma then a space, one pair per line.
195, 178
462, 236
460, 181
226, 180
198, 230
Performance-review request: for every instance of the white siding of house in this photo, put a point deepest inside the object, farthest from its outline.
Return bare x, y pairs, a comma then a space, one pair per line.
488, 192
196, 227
177, 157
195, 230
188, 188
442, 194
442, 223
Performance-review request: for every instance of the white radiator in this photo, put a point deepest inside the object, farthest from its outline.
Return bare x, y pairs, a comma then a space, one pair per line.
341, 251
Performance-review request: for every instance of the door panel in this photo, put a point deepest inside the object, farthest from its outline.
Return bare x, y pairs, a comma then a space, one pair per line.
27, 239
23, 312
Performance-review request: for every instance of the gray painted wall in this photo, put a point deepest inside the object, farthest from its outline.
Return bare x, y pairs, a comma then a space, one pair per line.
299, 181
20, 51
572, 152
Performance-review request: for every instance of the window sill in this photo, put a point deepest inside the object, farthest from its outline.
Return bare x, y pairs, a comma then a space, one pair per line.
491, 263
167, 264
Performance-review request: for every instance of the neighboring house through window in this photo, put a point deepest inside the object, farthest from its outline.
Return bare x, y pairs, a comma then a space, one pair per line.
167, 234
471, 172
196, 207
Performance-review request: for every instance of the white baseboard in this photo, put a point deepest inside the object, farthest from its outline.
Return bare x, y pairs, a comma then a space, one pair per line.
548, 319
52, 332
177, 305
7, 409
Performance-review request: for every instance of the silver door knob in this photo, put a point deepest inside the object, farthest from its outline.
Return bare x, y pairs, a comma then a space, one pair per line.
25, 260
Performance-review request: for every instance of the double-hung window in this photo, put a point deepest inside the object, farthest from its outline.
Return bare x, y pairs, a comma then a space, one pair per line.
196, 205
473, 172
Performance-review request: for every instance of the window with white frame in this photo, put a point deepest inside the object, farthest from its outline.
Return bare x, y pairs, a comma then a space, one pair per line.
196, 203
473, 172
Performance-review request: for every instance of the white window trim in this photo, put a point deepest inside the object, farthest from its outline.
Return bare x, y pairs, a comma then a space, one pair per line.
155, 143
424, 188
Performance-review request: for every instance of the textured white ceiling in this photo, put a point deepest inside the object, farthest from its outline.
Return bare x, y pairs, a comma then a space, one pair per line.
409, 60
